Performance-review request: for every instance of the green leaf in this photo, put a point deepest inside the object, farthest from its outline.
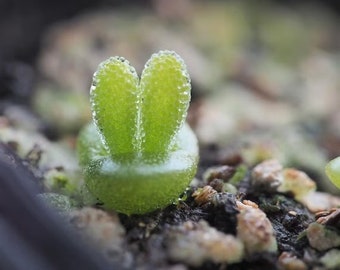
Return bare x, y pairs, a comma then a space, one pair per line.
333, 171
165, 86
114, 98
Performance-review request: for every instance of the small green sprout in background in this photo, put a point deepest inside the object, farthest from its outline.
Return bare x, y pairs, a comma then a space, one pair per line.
139, 154
333, 171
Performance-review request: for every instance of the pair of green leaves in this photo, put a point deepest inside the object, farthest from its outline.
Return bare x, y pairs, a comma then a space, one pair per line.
140, 116
140, 155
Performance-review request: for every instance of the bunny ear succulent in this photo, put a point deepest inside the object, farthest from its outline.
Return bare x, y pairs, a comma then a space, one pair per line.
139, 154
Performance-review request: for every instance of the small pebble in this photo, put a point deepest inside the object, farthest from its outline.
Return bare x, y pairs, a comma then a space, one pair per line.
195, 243
288, 261
267, 175
322, 238
203, 195
255, 229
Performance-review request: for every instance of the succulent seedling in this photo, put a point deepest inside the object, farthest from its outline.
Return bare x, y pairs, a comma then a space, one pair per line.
138, 154
333, 171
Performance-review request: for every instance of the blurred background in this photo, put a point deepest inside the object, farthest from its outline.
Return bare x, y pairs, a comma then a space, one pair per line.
265, 74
